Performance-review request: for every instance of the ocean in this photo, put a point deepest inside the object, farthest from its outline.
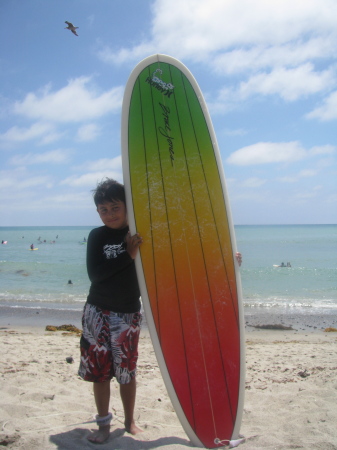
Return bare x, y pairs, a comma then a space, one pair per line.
40, 279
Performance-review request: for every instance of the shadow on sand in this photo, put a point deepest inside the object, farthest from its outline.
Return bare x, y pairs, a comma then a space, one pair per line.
119, 439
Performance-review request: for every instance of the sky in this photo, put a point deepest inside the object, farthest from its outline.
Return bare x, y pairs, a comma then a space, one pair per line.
267, 69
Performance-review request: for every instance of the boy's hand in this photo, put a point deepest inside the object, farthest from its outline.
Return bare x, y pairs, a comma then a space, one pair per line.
133, 243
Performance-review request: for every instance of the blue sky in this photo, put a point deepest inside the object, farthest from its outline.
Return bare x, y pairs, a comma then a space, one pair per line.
268, 71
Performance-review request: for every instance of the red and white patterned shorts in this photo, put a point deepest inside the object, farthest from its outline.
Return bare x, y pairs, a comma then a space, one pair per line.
109, 345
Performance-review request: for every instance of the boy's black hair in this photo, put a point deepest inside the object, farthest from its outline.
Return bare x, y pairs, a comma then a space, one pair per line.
108, 190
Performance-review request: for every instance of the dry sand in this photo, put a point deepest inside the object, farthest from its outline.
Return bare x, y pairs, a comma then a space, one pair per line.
290, 398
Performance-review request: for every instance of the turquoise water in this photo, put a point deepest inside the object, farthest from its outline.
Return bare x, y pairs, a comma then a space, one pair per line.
312, 279
40, 278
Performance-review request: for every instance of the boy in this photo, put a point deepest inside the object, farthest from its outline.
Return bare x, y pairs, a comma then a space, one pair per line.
111, 317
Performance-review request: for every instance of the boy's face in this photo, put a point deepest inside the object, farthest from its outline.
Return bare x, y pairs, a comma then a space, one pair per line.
113, 214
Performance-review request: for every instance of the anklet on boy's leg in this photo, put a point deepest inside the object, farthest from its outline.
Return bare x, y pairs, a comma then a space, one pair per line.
104, 420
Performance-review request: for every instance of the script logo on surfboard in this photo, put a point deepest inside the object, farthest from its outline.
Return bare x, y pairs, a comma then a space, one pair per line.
158, 83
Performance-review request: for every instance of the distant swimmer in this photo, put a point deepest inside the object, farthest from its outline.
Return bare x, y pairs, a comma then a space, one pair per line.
283, 265
32, 247
71, 27
4, 242
70, 282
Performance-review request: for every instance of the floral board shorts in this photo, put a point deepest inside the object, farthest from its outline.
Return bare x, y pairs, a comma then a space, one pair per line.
109, 345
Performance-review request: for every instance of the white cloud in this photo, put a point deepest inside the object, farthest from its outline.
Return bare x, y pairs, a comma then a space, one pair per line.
35, 131
277, 152
20, 179
323, 150
113, 164
236, 23
73, 103
29, 201
266, 56
53, 157
226, 100
88, 132
288, 179
91, 179
196, 29
326, 164
304, 195
100, 169
267, 152
51, 137
108, 164
272, 45
71, 200
125, 54
328, 110
234, 132
253, 182
302, 174
307, 173
291, 84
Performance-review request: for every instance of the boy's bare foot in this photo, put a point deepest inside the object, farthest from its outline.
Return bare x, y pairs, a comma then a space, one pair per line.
132, 428
101, 435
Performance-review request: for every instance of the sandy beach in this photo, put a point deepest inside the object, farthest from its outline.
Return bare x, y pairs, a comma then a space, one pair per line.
290, 397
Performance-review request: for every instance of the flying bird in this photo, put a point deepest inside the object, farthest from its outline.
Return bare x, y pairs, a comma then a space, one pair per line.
71, 27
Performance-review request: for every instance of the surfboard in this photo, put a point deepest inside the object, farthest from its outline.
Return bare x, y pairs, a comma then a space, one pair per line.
31, 249
189, 279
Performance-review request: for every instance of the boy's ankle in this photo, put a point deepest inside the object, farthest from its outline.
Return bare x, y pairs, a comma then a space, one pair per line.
103, 421
132, 428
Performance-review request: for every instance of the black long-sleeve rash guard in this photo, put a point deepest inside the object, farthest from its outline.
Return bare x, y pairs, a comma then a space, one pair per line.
112, 272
